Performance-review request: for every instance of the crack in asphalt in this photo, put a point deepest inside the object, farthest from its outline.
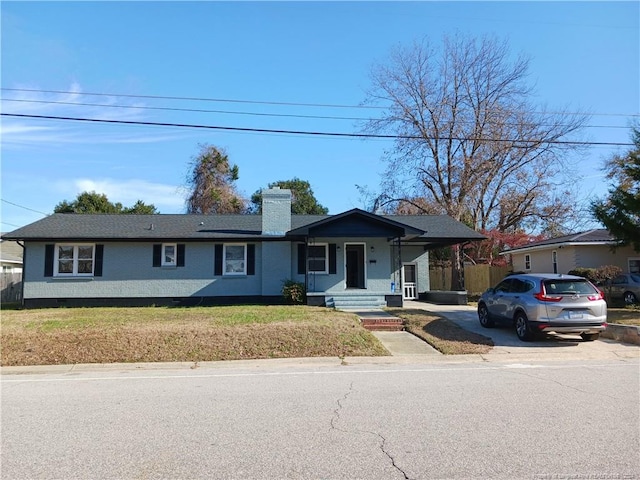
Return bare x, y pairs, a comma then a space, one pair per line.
336, 412
393, 460
336, 417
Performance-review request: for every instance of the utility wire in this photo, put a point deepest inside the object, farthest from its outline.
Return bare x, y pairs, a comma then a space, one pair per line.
226, 100
10, 224
175, 109
194, 99
21, 206
302, 132
198, 110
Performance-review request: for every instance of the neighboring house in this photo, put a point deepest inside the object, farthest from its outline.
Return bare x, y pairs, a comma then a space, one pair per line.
591, 249
10, 256
354, 258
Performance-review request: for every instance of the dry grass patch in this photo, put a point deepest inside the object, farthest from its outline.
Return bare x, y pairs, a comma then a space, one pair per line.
624, 316
444, 335
163, 334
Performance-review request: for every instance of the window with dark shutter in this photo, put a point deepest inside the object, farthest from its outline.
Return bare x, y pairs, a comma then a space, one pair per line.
49, 253
251, 259
97, 268
217, 259
180, 255
157, 254
332, 258
302, 259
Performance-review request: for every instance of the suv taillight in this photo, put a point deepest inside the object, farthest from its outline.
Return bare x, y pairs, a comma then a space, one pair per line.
596, 296
543, 297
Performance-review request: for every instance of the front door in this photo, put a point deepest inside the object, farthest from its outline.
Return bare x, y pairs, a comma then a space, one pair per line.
354, 257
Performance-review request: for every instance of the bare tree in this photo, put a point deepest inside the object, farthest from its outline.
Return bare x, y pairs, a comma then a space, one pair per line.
211, 183
469, 138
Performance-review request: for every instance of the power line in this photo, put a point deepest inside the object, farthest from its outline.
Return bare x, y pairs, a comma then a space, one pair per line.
175, 109
260, 102
10, 224
194, 99
199, 110
21, 206
301, 132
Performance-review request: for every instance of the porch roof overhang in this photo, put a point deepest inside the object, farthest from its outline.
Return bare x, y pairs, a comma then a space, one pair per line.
357, 223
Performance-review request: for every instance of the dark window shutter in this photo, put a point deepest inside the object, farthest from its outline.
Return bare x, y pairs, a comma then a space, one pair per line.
180, 255
157, 254
251, 259
49, 253
217, 260
97, 268
332, 258
302, 259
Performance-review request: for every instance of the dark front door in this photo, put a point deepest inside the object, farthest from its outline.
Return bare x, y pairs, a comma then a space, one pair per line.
355, 266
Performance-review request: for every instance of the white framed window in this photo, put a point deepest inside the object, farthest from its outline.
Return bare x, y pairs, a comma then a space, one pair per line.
634, 265
554, 261
234, 259
74, 260
317, 256
527, 261
169, 254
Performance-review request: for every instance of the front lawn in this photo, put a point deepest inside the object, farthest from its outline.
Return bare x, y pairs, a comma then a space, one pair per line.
164, 334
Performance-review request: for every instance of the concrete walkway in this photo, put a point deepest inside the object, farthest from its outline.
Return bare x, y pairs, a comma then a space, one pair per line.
398, 343
404, 343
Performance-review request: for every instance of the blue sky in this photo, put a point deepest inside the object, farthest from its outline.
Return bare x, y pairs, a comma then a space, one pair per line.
584, 56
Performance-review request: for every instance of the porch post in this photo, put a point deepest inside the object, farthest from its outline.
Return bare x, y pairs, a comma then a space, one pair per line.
400, 267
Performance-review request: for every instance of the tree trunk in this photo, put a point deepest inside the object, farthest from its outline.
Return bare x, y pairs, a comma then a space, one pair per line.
457, 269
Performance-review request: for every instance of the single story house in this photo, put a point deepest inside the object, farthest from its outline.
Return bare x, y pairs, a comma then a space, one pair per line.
355, 258
590, 249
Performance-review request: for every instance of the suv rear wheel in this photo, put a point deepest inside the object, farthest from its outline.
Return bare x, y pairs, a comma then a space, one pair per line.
523, 330
484, 316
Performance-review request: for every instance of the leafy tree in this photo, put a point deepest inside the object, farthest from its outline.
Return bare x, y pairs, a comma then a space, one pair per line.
488, 250
620, 211
92, 202
469, 139
140, 208
303, 201
211, 183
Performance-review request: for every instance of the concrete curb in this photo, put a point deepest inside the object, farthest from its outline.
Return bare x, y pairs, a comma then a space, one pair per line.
622, 333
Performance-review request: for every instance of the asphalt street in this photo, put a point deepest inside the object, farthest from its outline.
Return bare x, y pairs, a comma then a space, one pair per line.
321, 418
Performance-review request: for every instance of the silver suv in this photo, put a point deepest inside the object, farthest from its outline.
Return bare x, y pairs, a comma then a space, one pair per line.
541, 303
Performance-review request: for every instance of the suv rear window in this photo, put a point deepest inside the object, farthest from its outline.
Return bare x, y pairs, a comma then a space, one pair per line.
568, 287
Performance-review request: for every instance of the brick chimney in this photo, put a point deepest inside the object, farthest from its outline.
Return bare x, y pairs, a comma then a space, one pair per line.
276, 211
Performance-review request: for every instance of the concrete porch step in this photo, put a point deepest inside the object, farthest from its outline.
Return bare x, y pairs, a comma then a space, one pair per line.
356, 301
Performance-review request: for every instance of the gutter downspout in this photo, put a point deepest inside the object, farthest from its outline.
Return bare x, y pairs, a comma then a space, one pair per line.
24, 270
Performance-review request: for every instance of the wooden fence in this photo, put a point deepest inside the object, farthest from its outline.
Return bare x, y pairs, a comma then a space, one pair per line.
477, 278
10, 287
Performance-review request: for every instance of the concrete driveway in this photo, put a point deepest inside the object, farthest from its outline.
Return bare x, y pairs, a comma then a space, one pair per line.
507, 343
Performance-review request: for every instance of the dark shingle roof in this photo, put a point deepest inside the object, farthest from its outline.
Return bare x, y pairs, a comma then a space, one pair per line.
64, 226
590, 236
